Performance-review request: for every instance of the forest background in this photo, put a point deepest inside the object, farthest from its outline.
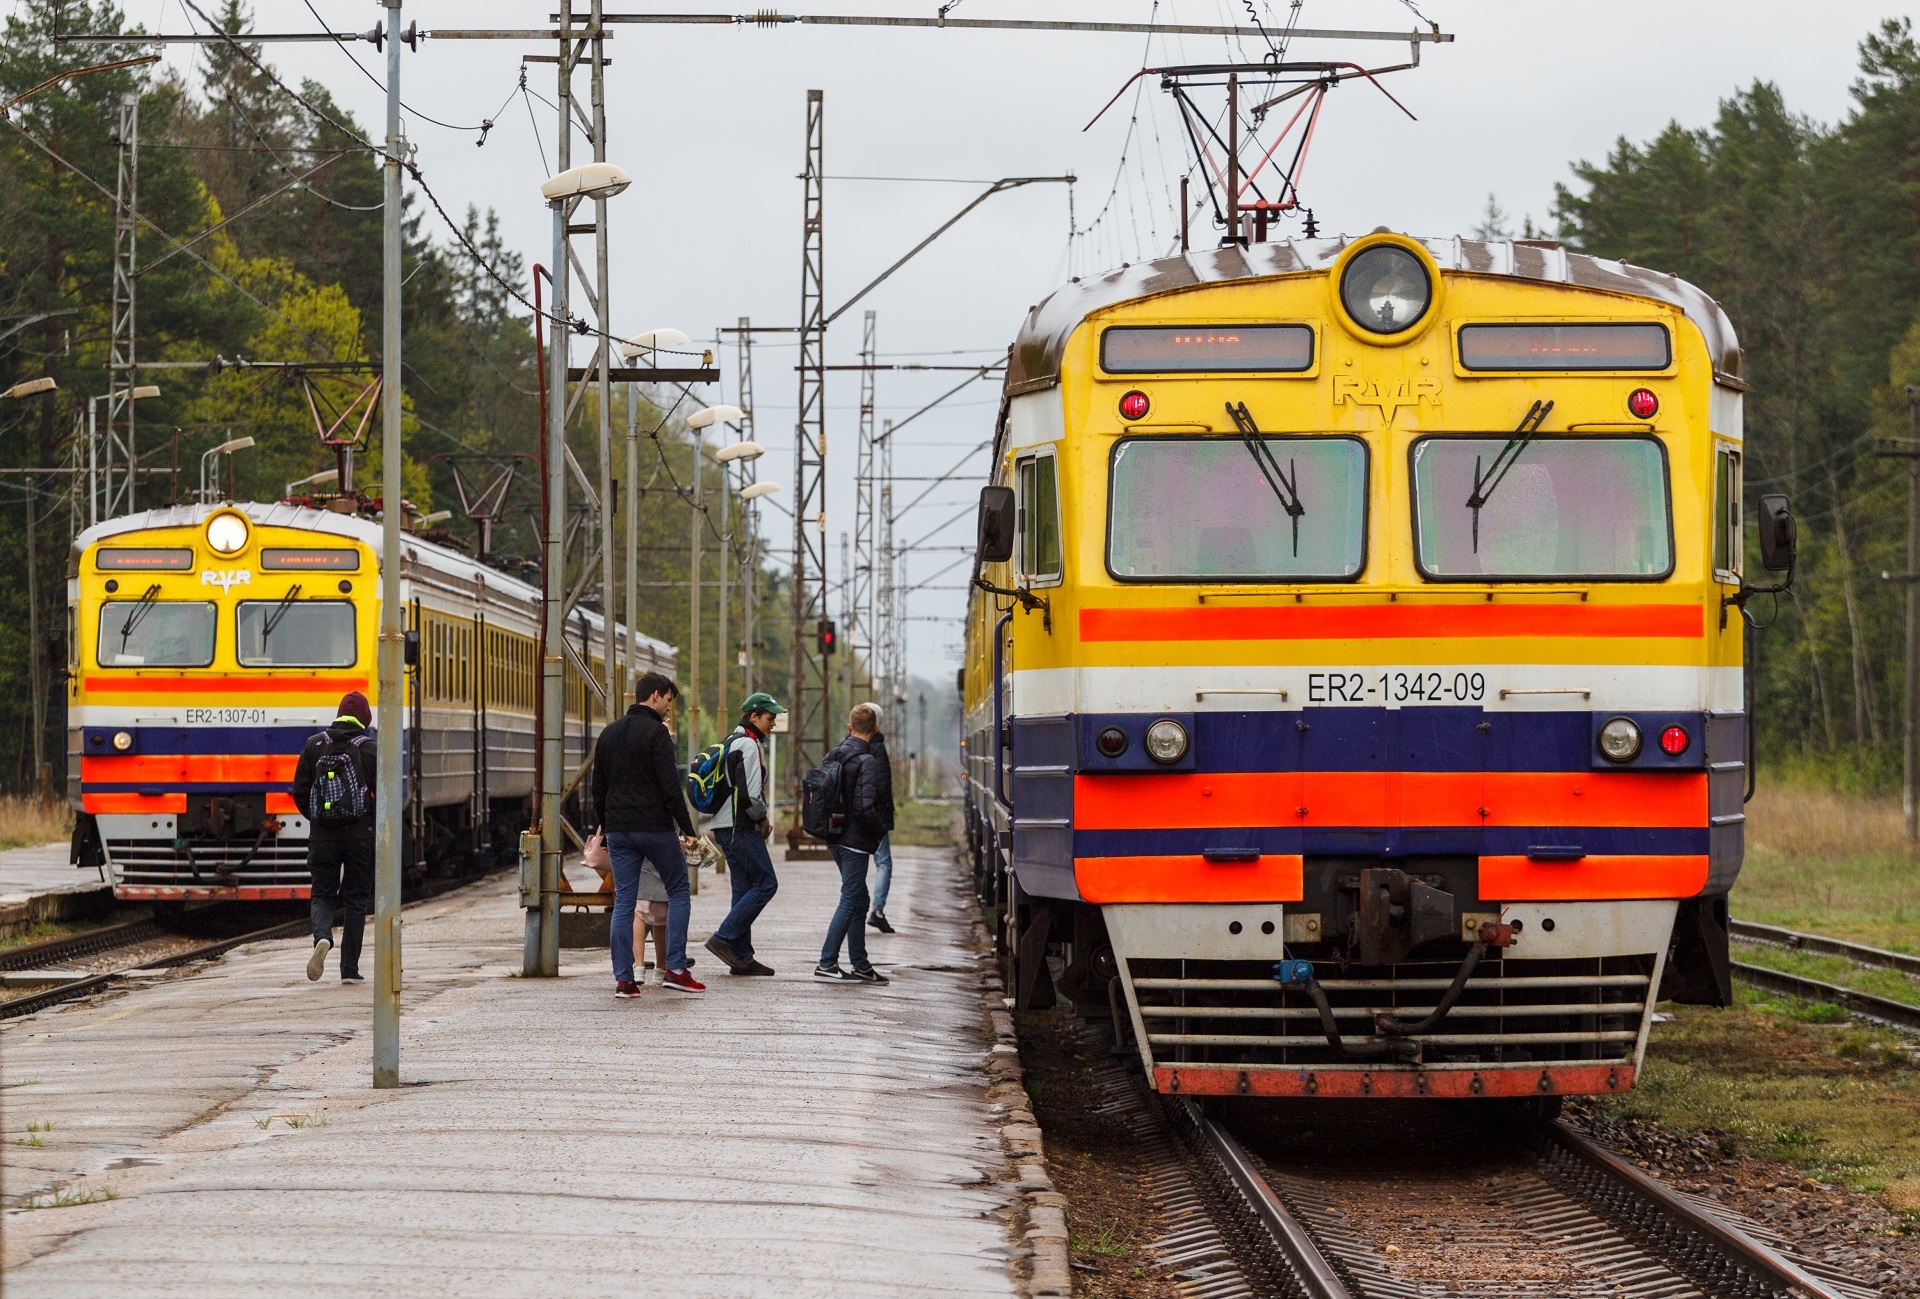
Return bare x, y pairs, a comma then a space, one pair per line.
1808, 233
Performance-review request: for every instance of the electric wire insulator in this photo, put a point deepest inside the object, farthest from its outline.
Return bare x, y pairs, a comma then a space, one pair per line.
766, 18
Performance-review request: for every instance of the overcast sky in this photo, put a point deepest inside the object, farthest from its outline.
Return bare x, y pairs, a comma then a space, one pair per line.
710, 120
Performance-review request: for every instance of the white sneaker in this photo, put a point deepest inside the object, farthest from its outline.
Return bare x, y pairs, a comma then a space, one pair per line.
317, 963
650, 976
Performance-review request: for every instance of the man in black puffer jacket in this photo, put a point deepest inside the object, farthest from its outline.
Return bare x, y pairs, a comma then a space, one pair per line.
867, 796
639, 803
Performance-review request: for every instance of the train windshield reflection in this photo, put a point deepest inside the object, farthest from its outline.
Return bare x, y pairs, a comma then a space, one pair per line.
1568, 507
1199, 509
296, 633
156, 634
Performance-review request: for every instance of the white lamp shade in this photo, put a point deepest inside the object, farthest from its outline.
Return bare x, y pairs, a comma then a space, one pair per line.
713, 415
428, 520
236, 444
324, 476
594, 180
44, 383
145, 390
652, 341
757, 490
740, 451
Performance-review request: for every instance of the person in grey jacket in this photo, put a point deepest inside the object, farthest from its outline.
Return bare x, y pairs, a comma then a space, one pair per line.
741, 826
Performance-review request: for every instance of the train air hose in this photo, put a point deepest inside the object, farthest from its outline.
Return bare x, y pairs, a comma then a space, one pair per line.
1396, 1035
1392, 1027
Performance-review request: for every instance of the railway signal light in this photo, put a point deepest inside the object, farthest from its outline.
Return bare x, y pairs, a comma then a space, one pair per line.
829, 638
1134, 405
1642, 403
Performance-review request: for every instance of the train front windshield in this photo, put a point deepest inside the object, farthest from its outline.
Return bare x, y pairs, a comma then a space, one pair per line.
1206, 508
1563, 507
151, 633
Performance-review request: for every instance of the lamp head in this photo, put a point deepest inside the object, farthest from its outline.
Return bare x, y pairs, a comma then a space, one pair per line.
428, 520
653, 340
713, 415
755, 491
31, 387
739, 451
594, 180
145, 390
232, 445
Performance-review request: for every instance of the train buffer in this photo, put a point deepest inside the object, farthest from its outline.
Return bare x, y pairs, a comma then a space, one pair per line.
776, 1137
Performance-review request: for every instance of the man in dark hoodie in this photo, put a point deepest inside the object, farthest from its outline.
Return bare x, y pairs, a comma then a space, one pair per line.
867, 797
333, 786
639, 802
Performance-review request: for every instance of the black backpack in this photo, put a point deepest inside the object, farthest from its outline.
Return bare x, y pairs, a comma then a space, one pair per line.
339, 796
823, 799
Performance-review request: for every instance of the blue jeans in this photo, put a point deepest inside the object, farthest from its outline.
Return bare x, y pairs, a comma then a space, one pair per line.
882, 873
627, 849
750, 870
850, 917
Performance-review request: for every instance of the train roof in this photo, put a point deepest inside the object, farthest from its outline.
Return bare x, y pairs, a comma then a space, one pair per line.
427, 554
1034, 362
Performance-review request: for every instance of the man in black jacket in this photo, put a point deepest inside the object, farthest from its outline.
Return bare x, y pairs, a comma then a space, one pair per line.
639, 802
868, 801
340, 831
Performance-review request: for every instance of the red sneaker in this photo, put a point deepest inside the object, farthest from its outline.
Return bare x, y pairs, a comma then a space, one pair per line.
626, 988
682, 981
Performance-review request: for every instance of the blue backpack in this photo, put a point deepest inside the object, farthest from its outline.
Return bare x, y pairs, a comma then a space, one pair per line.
707, 784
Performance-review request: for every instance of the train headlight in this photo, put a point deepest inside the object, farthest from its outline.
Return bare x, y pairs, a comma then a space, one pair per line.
122, 740
1620, 740
227, 533
1166, 741
1386, 289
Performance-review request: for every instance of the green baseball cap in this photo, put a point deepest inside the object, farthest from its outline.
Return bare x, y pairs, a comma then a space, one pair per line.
762, 702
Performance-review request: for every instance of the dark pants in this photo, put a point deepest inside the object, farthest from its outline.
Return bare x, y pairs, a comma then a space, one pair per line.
627, 849
750, 871
850, 918
343, 887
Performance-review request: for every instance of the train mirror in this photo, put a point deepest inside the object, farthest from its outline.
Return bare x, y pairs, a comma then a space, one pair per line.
1778, 544
413, 649
996, 525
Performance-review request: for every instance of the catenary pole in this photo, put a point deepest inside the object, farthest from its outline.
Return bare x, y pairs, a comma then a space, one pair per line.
693, 602
553, 594
1910, 792
390, 799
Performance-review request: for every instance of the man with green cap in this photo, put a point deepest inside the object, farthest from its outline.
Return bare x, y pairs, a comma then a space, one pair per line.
741, 826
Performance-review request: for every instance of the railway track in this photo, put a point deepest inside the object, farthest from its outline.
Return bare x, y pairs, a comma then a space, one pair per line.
1318, 1202
1885, 1010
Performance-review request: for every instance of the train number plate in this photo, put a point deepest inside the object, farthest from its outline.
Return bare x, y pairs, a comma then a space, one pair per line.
226, 716
1393, 687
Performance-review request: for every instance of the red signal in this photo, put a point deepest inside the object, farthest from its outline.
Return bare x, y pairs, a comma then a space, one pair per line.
1135, 405
1674, 741
1642, 403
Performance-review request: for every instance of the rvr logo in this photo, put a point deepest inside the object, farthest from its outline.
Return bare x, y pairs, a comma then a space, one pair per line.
226, 578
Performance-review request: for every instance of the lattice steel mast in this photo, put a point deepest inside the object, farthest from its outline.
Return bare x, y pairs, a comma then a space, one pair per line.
812, 726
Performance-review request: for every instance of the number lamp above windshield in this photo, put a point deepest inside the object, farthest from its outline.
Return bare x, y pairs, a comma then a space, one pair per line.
227, 532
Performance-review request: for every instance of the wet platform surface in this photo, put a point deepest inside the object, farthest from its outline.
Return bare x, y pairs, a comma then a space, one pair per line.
42, 868
776, 1137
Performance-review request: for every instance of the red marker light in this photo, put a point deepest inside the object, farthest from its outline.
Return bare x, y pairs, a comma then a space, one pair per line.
1135, 405
1674, 741
1642, 403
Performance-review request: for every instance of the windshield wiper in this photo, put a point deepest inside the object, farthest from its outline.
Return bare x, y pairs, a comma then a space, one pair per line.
1483, 484
138, 614
1286, 486
279, 612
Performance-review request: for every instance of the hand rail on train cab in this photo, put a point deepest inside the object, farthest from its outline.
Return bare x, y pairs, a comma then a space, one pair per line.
999, 708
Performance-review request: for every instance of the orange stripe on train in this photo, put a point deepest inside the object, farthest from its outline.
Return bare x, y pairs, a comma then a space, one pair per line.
1224, 800
196, 769
1393, 621
1592, 878
1276, 877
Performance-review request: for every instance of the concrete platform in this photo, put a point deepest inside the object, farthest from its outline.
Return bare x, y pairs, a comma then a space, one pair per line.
39, 883
776, 1137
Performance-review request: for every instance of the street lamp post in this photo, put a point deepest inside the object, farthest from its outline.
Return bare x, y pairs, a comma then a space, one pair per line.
742, 451
36, 654
595, 180
699, 422
96, 505
209, 489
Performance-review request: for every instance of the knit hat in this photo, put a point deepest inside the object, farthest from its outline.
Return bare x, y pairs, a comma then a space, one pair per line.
354, 704
877, 714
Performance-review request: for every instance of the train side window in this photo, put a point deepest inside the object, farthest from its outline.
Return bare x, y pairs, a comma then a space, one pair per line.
1039, 518
1728, 521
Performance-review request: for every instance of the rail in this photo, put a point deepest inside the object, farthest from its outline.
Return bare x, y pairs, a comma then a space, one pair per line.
32, 1002
1884, 1010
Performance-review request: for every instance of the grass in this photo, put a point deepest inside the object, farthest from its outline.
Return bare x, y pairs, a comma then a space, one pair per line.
1782, 1079
27, 821
1891, 984
66, 1197
926, 825
292, 1121
1830, 863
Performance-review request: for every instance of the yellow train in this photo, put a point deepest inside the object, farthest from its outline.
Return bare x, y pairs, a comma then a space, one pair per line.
206, 643
1355, 681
